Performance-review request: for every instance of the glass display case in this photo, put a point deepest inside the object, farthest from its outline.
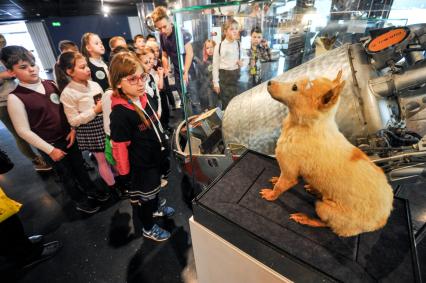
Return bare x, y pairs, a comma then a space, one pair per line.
382, 107
296, 39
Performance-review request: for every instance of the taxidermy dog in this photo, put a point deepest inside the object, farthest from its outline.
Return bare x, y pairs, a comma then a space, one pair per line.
353, 193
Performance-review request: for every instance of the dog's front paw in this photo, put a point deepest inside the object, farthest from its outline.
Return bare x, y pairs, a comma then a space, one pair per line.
268, 194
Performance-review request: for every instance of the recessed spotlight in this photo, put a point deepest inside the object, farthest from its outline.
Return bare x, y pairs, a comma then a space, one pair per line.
105, 9
105, 15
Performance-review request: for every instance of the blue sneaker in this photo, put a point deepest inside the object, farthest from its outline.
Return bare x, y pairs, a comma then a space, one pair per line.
164, 211
156, 233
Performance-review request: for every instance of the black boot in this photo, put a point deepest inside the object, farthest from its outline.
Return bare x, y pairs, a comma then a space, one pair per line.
120, 189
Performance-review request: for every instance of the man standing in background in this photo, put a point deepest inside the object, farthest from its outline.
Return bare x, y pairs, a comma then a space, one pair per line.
168, 45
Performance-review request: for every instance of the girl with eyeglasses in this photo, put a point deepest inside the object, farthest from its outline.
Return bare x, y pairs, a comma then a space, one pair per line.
138, 142
81, 98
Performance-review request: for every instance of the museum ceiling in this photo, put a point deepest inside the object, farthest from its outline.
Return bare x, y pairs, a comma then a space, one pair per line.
11, 10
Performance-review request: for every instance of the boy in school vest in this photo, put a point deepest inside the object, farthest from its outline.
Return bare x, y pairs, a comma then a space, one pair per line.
39, 119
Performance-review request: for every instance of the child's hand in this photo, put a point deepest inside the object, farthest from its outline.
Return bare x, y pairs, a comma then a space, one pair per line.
98, 107
166, 72
57, 154
240, 63
216, 89
70, 138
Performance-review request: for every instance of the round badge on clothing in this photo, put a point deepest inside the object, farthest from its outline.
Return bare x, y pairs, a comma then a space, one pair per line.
54, 98
100, 75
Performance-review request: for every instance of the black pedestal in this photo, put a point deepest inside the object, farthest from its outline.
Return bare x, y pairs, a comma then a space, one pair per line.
232, 208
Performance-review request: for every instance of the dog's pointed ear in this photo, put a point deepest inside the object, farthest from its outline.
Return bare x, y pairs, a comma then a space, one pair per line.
327, 98
331, 97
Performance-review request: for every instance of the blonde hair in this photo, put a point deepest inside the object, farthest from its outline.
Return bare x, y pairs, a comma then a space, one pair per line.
148, 49
159, 13
84, 42
114, 40
205, 55
124, 64
143, 52
152, 44
226, 25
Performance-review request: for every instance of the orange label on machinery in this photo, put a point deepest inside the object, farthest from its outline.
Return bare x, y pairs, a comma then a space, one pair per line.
387, 39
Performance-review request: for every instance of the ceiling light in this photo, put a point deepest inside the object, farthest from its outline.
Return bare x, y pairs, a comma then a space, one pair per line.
105, 9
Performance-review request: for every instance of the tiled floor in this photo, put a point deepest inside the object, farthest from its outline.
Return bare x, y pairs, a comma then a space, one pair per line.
105, 247
100, 248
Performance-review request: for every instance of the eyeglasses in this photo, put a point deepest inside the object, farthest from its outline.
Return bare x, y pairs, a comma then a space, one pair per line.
135, 78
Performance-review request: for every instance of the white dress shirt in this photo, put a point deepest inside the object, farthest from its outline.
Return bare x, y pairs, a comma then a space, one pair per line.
79, 103
227, 60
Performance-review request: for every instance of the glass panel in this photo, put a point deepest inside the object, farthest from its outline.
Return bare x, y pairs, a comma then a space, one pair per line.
290, 33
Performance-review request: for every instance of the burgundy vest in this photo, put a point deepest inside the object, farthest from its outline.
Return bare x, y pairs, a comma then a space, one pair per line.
45, 113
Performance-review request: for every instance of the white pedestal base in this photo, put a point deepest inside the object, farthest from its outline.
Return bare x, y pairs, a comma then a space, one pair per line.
218, 261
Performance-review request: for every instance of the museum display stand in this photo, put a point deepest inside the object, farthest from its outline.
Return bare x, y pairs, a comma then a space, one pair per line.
240, 237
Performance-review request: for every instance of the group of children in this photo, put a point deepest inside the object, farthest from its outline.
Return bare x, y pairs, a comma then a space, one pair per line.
114, 112
119, 113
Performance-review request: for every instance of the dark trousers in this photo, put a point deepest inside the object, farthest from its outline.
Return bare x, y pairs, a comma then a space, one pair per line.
208, 98
71, 169
167, 88
255, 80
228, 81
14, 244
144, 193
192, 97
144, 210
165, 111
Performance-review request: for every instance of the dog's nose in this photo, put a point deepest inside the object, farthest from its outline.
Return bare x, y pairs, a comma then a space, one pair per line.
269, 83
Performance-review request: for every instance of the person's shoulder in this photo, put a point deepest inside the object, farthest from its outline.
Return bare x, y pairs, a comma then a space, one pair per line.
120, 112
50, 82
90, 61
95, 86
67, 89
108, 92
12, 97
186, 35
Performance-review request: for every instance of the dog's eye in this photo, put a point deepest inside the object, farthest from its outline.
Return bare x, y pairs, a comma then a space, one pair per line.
294, 88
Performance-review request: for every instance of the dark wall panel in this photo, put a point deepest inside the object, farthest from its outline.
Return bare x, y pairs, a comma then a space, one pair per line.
72, 28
